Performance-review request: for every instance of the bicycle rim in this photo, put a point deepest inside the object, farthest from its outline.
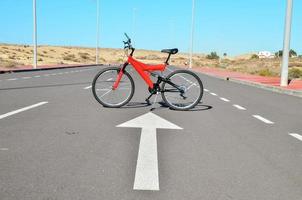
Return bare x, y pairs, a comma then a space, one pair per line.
187, 93
104, 92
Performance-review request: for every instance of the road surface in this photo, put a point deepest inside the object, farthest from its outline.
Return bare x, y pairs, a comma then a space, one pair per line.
57, 142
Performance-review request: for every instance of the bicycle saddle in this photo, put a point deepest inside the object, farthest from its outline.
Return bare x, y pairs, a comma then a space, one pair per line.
170, 51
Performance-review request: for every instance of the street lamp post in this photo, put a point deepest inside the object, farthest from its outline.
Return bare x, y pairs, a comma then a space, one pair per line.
286, 43
133, 24
192, 33
34, 35
97, 32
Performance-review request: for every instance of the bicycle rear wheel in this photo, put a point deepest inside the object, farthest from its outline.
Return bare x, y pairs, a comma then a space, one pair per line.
103, 92
183, 91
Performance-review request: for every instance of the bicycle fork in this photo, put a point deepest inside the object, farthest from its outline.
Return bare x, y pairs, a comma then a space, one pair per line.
119, 77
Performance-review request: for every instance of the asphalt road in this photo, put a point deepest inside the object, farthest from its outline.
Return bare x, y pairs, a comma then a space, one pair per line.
240, 142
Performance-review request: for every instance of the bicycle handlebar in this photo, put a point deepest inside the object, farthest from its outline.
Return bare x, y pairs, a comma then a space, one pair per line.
127, 44
127, 36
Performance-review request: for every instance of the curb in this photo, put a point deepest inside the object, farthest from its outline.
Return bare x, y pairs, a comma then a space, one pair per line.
46, 68
258, 85
269, 88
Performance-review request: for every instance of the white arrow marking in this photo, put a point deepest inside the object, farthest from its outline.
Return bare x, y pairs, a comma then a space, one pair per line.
146, 174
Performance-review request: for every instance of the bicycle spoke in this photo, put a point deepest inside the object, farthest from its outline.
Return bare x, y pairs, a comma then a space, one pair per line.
103, 89
194, 84
106, 93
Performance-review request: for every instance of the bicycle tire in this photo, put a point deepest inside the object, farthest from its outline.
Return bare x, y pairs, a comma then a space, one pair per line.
198, 84
96, 85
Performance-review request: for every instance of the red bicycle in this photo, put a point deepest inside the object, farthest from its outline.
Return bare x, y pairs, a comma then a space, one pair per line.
114, 87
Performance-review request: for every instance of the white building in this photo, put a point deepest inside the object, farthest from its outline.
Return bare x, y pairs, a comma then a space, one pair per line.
266, 54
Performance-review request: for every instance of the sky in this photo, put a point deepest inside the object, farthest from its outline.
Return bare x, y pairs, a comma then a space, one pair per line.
230, 26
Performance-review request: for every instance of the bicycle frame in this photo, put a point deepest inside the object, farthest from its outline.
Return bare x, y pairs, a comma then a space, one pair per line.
142, 69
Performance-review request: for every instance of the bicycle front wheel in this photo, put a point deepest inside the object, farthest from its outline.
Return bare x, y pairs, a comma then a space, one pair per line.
102, 88
183, 90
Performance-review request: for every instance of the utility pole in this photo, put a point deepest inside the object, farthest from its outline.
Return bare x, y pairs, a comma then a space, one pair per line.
133, 24
286, 43
35, 34
192, 33
97, 32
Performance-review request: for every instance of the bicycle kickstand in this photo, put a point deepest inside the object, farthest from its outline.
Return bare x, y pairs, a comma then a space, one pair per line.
148, 99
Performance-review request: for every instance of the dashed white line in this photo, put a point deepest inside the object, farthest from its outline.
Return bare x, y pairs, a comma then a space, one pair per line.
214, 94
239, 107
3, 149
224, 99
206, 90
37, 76
46, 75
26, 77
295, 135
86, 88
12, 79
22, 109
263, 119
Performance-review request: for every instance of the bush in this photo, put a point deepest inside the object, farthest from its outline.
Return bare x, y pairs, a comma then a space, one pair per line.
84, 56
254, 56
295, 73
120, 60
212, 56
40, 59
266, 72
12, 57
69, 57
292, 53
7, 64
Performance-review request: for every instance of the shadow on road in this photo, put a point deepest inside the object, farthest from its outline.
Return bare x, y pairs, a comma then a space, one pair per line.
199, 107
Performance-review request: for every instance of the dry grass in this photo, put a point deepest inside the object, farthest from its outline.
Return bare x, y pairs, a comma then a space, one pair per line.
14, 55
77, 55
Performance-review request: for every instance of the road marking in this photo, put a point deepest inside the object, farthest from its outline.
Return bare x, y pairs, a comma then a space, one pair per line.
60, 73
22, 109
3, 149
239, 107
263, 119
12, 79
26, 77
214, 94
46, 74
297, 136
53, 74
37, 76
224, 99
146, 174
206, 90
86, 88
